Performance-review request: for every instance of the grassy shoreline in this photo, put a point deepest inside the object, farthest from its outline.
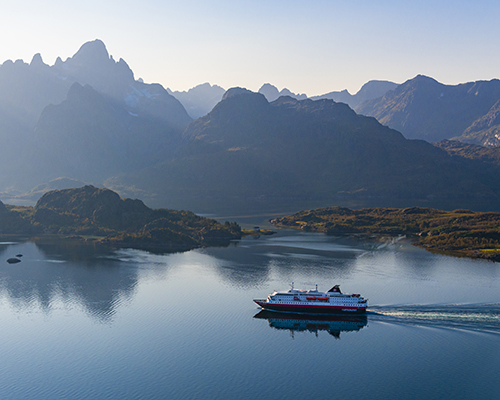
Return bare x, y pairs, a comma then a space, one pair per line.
461, 233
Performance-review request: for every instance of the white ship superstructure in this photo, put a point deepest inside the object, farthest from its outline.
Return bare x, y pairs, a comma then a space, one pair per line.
313, 301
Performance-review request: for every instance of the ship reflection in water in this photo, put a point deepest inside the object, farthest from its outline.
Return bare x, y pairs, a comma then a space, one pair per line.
333, 324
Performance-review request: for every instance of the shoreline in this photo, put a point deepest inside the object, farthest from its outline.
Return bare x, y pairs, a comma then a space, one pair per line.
458, 233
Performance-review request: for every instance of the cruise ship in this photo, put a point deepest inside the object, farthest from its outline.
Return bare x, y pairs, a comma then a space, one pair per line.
314, 302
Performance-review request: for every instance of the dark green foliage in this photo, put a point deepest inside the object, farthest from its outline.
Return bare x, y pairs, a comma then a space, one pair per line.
101, 212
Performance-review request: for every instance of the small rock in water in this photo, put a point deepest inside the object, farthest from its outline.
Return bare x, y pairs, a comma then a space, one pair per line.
19, 255
13, 260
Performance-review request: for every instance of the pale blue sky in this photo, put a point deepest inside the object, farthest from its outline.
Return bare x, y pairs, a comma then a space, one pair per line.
308, 46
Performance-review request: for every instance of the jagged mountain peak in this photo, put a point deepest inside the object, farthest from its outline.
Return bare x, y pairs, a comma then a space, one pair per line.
37, 60
205, 85
271, 92
92, 64
92, 52
199, 100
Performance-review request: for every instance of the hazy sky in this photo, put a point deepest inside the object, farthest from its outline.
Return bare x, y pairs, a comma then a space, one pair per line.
308, 46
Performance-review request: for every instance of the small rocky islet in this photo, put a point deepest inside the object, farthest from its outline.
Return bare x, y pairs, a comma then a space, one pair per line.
100, 215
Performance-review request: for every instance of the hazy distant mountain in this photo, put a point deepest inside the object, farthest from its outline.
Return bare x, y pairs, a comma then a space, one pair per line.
56, 184
368, 91
81, 138
26, 89
112, 121
271, 93
92, 65
484, 131
88, 119
423, 108
248, 147
91, 137
200, 100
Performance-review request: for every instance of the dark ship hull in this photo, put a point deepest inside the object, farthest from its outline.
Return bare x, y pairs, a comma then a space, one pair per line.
310, 308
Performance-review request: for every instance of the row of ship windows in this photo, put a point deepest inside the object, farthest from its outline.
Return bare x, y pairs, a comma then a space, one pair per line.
291, 302
340, 305
342, 296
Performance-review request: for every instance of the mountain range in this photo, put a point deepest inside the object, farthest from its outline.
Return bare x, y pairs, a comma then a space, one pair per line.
249, 147
199, 100
370, 90
272, 93
88, 120
54, 117
422, 108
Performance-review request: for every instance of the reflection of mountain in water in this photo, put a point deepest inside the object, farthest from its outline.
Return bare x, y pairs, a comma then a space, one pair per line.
333, 324
289, 254
72, 274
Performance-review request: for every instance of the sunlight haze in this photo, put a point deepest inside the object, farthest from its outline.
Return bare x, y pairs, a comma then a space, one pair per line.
309, 47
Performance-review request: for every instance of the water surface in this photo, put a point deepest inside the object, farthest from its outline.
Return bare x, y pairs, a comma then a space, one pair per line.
93, 323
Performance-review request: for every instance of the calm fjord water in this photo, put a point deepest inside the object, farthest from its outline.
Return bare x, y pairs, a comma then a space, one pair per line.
84, 322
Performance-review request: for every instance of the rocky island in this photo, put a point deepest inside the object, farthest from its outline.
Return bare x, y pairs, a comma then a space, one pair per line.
459, 232
90, 213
